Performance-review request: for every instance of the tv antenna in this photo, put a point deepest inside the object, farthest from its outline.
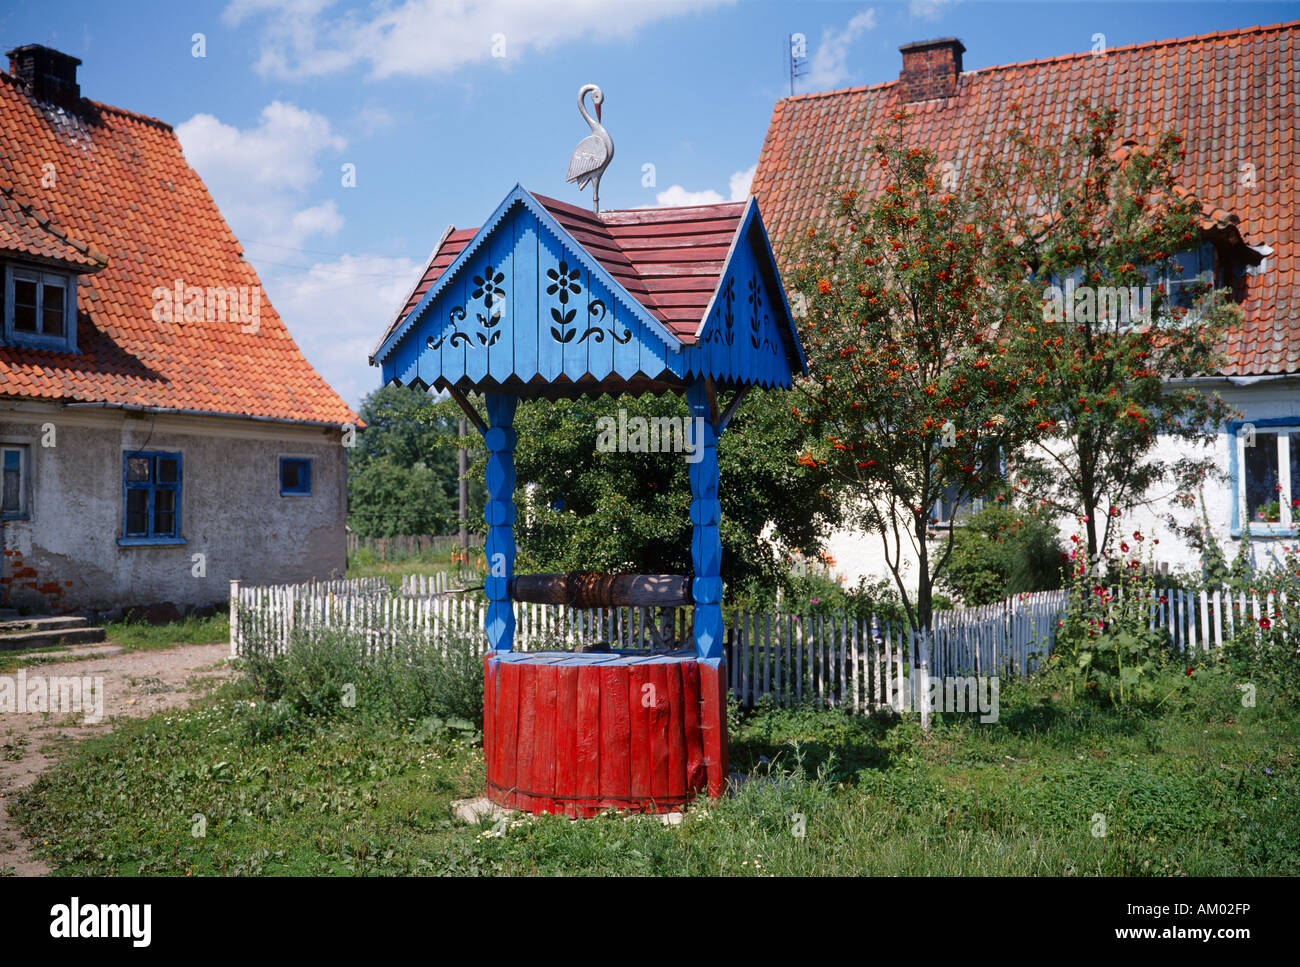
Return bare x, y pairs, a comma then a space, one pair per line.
797, 56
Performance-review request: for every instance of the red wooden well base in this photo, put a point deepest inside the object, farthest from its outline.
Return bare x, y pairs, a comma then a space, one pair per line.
579, 733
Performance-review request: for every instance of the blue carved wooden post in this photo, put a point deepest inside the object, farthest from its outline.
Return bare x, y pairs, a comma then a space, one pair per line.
706, 513
500, 514
706, 559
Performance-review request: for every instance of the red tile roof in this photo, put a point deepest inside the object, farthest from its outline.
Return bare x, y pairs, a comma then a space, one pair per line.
1231, 95
123, 188
669, 259
25, 232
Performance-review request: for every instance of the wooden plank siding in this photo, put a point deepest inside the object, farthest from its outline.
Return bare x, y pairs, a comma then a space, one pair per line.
653, 299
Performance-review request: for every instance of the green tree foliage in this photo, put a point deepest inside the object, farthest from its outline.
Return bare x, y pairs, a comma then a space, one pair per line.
1003, 550
402, 473
912, 396
584, 509
1109, 217
386, 499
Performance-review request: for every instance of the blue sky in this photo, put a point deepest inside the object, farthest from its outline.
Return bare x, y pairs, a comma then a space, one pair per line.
439, 129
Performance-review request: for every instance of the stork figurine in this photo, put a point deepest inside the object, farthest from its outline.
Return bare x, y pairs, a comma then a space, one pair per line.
594, 152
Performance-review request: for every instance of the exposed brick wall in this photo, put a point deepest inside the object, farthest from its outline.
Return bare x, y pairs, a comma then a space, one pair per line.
17, 575
931, 69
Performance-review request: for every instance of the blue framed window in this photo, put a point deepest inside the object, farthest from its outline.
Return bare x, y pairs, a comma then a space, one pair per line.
1264, 465
151, 498
295, 477
40, 308
13, 484
952, 508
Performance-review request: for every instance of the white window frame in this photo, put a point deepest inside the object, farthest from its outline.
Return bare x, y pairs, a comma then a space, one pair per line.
42, 277
1286, 521
1162, 276
24, 480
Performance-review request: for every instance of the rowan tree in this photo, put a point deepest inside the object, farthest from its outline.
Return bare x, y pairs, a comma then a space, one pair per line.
913, 397
1102, 220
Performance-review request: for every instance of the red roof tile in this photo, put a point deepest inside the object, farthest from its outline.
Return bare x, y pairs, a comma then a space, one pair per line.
123, 188
1231, 95
26, 232
669, 259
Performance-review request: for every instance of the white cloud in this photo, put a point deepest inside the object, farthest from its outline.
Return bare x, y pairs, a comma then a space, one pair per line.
828, 67
281, 151
261, 177
737, 185
424, 37
374, 118
322, 219
676, 196
335, 311
267, 180
928, 9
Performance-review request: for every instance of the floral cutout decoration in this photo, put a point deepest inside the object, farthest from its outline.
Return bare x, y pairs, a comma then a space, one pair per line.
488, 288
727, 332
759, 320
564, 282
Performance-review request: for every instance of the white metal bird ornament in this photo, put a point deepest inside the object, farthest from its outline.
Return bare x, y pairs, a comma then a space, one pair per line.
594, 152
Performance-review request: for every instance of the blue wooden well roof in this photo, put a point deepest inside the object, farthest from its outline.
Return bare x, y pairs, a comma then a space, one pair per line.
548, 300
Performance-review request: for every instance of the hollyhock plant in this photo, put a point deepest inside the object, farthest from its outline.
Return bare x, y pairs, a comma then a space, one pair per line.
1106, 643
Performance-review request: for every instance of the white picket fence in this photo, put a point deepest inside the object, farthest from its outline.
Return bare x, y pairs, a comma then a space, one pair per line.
425, 585
263, 619
855, 663
1202, 619
866, 663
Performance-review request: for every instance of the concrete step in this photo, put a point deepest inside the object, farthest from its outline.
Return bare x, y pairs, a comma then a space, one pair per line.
27, 640
42, 623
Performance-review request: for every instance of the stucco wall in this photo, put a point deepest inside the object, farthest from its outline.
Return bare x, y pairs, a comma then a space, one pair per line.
861, 555
66, 555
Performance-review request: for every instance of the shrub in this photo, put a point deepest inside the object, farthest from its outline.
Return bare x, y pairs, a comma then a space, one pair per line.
818, 594
1000, 551
327, 672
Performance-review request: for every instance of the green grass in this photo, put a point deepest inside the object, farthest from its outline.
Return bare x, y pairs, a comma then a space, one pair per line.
364, 564
1198, 785
141, 636
11, 661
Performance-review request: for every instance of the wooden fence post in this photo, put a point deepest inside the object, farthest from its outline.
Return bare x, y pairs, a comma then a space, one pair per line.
234, 619
921, 652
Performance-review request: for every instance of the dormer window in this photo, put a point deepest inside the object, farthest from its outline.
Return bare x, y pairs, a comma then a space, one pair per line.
40, 308
1186, 275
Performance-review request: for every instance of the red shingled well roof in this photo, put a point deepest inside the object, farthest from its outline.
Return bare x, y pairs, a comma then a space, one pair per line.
1231, 95
124, 189
669, 259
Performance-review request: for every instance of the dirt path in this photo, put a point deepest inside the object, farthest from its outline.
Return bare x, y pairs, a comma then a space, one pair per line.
136, 684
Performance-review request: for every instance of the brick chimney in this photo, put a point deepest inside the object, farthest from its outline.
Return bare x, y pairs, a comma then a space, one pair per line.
50, 75
930, 69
